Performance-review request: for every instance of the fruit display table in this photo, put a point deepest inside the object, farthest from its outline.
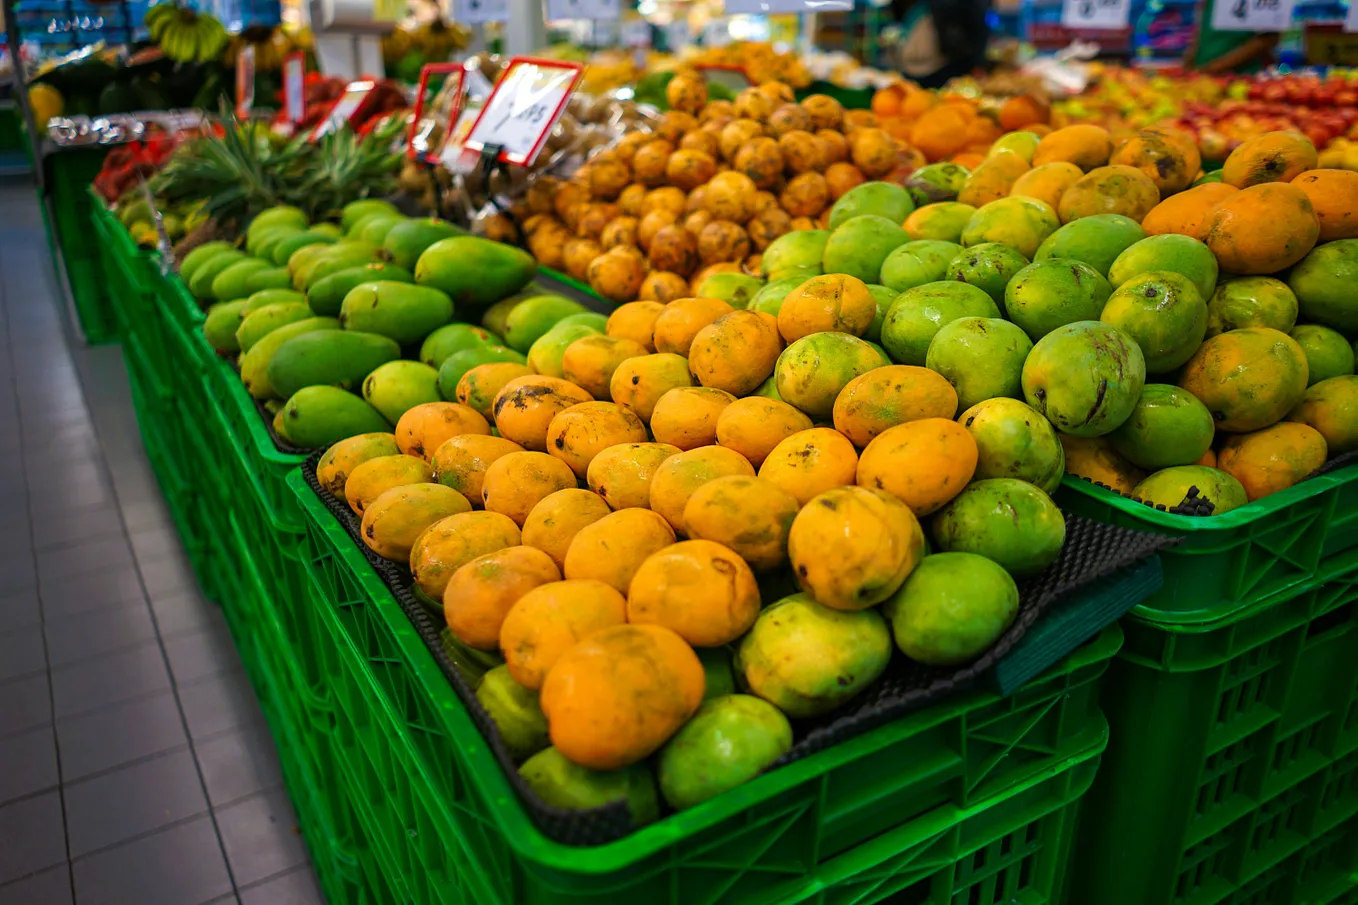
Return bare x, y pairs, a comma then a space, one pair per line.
398, 793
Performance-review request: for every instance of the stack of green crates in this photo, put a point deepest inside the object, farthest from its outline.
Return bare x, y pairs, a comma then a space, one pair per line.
971, 801
69, 214
1231, 776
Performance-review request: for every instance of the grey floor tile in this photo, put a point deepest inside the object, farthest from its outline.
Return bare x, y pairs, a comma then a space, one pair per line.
25, 704
145, 513
31, 836
202, 654
97, 555
94, 684
69, 595
50, 887
28, 764
218, 705
167, 575
132, 801
299, 887
71, 639
261, 837
59, 530
180, 865
183, 613
22, 653
238, 764
20, 610
152, 543
18, 571
119, 735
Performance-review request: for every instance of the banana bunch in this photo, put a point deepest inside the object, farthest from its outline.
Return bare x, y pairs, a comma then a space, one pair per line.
271, 46
437, 40
185, 35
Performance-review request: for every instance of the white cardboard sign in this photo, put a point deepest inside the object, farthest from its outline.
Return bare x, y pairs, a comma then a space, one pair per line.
1252, 15
1099, 15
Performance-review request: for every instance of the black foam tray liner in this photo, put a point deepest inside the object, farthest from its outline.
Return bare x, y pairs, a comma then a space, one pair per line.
1093, 554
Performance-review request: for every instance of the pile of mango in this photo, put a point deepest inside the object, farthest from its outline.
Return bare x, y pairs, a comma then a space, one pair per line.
339, 329
687, 208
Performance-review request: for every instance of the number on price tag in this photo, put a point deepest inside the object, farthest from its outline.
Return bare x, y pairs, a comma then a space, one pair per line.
245, 81
1252, 15
526, 103
294, 87
433, 116
1101, 15
475, 12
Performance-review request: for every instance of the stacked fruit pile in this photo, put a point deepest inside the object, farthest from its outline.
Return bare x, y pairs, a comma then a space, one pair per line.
657, 214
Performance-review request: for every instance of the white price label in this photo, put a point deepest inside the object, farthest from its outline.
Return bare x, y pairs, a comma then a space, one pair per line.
474, 12
245, 81
636, 33
777, 7
1098, 14
1252, 15
583, 9
1351, 19
294, 87
523, 108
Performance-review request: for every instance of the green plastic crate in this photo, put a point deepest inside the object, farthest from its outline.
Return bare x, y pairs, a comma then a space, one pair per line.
1234, 747
1238, 561
68, 174
433, 778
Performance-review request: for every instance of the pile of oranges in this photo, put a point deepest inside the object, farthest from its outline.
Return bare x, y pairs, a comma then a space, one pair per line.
951, 126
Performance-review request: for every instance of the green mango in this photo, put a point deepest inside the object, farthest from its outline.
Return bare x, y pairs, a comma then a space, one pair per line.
199, 256
327, 294
408, 239
264, 297
263, 321
268, 278
451, 338
565, 785
200, 284
794, 254
282, 252
320, 416
729, 741
496, 318
254, 365
474, 271
219, 329
589, 318
952, 608
546, 354
1007, 520
341, 358
357, 210
230, 284
375, 228
860, 245
270, 239
735, 289
531, 318
401, 311
459, 363
334, 259
516, 713
398, 386
279, 215
880, 199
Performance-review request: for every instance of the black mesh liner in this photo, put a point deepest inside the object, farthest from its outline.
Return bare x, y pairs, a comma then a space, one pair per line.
1092, 552
1197, 504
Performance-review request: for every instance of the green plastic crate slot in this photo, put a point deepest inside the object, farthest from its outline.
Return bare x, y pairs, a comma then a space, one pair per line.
395, 705
1234, 746
1229, 563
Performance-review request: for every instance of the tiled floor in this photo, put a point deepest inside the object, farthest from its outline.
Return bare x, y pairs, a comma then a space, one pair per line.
135, 766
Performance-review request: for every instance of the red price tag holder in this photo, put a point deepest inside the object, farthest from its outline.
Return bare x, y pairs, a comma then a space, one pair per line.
350, 108
245, 81
439, 112
294, 87
519, 114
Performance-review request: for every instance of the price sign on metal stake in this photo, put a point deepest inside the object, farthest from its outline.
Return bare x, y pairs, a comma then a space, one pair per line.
245, 81
526, 103
435, 116
1101, 15
294, 87
1252, 15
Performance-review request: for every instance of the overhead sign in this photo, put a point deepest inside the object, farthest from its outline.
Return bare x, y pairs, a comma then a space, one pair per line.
775, 7
476, 12
583, 9
1098, 15
1252, 15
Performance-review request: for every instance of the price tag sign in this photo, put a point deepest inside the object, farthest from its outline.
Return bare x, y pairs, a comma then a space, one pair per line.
1098, 15
245, 81
1351, 18
476, 12
1252, 15
294, 87
583, 9
433, 116
528, 100
356, 97
775, 7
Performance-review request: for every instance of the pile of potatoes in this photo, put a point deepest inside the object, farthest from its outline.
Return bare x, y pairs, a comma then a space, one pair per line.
706, 190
